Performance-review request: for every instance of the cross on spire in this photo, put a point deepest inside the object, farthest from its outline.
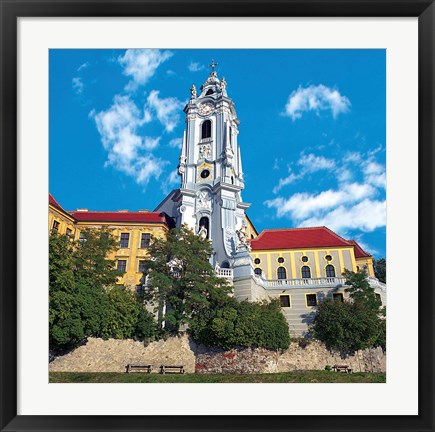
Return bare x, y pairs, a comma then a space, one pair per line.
212, 65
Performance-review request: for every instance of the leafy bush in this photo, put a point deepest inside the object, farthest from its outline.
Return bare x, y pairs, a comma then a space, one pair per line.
243, 325
126, 316
352, 325
348, 326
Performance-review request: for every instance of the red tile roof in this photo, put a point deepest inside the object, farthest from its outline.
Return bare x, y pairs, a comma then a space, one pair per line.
359, 252
297, 238
102, 216
132, 217
53, 202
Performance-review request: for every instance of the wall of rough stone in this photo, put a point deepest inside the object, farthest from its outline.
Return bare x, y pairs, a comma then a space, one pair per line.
311, 355
113, 356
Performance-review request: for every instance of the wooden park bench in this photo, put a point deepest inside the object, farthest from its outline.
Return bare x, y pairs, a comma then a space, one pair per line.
138, 368
342, 368
171, 369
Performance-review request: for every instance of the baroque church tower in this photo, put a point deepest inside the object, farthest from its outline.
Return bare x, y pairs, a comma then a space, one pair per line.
209, 200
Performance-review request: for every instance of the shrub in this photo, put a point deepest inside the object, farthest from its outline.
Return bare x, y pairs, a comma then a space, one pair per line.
243, 325
126, 316
347, 326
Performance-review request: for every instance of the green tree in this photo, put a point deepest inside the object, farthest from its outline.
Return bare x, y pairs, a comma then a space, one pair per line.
347, 326
84, 299
65, 323
359, 289
380, 267
182, 284
126, 316
91, 257
243, 324
355, 324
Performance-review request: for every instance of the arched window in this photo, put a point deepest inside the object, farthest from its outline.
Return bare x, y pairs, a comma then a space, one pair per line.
206, 129
209, 92
204, 222
258, 271
225, 264
306, 272
330, 271
282, 273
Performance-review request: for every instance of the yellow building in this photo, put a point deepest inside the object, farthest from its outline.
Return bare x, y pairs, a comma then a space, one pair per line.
302, 267
133, 231
301, 253
59, 220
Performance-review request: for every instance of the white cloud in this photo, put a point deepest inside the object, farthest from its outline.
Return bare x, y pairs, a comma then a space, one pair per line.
148, 166
312, 163
375, 174
352, 157
175, 143
128, 149
366, 216
78, 85
285, 181
172, 180
151, 143
309, 163
357, 205
343, 174
83, 66
167, 109
141, 65
316, 98
195, 67
302, 205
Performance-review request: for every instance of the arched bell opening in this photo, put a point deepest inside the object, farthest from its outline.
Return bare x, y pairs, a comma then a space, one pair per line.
205, 222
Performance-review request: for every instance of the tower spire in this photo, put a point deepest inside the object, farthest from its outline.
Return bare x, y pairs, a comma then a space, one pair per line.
213, 65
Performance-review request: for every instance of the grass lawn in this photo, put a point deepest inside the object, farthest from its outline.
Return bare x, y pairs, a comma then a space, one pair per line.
285, 377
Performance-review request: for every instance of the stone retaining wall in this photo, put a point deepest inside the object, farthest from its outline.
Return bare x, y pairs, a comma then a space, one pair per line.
314, 356
113, 355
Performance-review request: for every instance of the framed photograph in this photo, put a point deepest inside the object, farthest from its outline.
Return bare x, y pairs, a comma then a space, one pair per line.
352, 81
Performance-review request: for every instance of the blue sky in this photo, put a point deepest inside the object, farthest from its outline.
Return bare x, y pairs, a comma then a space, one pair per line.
312, 132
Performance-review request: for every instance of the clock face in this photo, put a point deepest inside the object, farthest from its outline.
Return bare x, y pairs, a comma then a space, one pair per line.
205, 173
205, 109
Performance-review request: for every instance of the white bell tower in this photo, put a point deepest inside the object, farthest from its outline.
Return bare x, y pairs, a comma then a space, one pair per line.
209, 200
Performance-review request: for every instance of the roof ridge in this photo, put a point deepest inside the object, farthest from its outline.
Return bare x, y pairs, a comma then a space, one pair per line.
355, 243
111, 211
299, 229
336, 235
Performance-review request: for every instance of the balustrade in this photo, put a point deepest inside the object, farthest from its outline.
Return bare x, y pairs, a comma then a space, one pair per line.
225, 273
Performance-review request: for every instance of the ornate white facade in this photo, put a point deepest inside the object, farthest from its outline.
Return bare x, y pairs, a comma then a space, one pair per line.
210, 196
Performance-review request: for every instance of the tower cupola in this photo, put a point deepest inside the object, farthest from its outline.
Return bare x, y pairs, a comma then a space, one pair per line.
209, 199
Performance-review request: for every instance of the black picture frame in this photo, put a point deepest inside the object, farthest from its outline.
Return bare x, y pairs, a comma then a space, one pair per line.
11, 10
